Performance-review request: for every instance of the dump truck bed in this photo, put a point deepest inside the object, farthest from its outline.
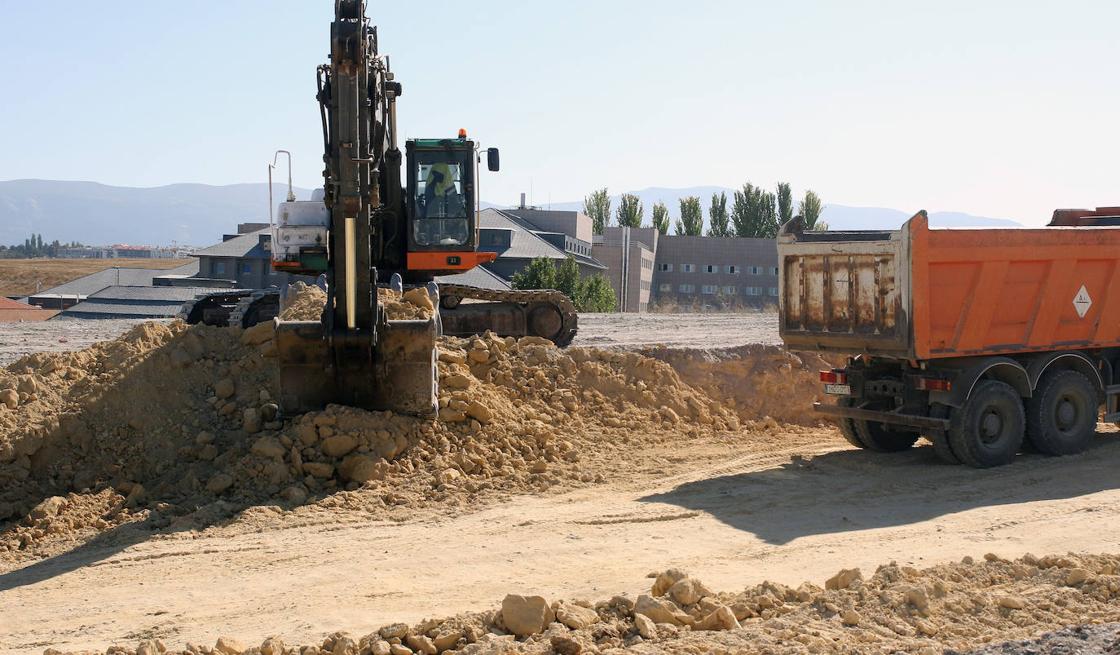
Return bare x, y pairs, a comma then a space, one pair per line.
917, 293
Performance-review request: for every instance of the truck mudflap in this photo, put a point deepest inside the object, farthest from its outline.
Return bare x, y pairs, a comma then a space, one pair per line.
923, 423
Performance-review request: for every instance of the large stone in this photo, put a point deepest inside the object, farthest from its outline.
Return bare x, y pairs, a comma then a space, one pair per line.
380, 647
721, 619
844, 579
477, 410
227, 646
320, 470
666, 580
219, 483
48, 508
419, 297
688, 591
269, 447
224, 388
661, 611
421, 644
646, 627
564, 645
362, 468
272, 646
526, 615
394, 631
576, 617
9, 398
339, 445
447, 640
457, 381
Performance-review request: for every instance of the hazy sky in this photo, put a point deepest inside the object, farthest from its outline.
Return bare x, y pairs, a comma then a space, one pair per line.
1005, 109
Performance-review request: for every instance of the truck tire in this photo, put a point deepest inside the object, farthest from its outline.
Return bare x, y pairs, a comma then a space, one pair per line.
989, 429
848, 426
940, 440
1062, 414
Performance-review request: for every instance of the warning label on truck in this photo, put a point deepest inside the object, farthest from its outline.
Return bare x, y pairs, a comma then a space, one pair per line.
1082, 302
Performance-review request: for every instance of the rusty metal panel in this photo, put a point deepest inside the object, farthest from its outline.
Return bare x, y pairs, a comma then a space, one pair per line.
845, 292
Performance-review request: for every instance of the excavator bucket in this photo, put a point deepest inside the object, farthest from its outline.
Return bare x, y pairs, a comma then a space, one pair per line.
397, 374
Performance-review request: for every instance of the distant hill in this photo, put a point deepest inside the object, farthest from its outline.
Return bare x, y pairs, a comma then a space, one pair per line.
838, 217
198, 214
92, 213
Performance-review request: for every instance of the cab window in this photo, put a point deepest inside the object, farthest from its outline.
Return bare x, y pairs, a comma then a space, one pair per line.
442, 206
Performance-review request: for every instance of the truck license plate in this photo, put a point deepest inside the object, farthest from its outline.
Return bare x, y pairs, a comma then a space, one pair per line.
838, 389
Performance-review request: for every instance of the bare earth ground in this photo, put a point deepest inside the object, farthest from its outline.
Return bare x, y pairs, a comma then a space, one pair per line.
788, 505
20, 277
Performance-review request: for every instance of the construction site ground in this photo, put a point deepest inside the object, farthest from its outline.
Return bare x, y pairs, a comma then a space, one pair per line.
28, 276
772, 498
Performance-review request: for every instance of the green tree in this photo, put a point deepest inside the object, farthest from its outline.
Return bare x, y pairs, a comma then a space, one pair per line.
785, 203
567, 277
754, 213
630, 211
810, 210
661, 217
598, 207
595, 295
767, 215
719, 221
539, 274
691, 221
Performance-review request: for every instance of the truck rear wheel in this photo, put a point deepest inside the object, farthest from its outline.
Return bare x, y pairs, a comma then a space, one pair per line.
848, 426
988, 430
876, 437
1062, 414
940, 440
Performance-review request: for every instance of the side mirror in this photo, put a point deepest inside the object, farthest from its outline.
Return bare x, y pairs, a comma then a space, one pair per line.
492, 159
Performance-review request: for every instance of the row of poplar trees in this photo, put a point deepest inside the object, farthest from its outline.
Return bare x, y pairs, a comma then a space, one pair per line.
754, 212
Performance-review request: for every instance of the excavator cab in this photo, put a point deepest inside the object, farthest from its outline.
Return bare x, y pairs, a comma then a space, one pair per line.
441, 199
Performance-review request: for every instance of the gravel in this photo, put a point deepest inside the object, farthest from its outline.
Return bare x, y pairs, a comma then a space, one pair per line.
1078, 640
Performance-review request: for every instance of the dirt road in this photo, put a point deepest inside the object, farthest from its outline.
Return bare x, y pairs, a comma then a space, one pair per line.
732, 513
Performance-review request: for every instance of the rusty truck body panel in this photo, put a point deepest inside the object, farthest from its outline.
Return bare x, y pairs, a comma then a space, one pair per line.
919, 293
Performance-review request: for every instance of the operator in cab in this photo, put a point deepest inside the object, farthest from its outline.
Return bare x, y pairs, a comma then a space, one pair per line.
442, 208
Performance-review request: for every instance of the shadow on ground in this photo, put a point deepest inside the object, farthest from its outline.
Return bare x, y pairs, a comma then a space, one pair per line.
861, 490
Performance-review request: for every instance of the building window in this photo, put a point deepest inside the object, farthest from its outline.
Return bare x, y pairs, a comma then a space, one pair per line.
687, 288
773, 270
665, 287
730, 291
247, 267
709, 289
665, 268
754, 291
711, 268
754, 270
219, 268
688, 268
733, 269
774, 292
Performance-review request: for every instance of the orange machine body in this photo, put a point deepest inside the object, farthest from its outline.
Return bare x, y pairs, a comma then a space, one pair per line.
922, 294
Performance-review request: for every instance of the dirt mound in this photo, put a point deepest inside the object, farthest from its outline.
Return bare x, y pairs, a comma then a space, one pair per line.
305, 303
185, 416
756, 381
897, 609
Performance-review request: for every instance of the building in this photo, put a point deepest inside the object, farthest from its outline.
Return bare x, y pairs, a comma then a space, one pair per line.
140, 302
716, 271
629, 254
518, 236
72, 292
12, 311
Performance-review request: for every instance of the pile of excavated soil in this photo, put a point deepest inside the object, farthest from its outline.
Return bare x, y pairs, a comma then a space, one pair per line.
897, 609
756, 381
171, 419
304, 302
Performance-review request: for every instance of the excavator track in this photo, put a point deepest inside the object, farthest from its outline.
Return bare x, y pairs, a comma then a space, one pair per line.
547, 313
542, 312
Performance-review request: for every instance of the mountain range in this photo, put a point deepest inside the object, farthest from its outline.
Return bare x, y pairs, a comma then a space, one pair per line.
198, 214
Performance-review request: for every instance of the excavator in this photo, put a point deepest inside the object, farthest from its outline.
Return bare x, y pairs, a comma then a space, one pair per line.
365, 228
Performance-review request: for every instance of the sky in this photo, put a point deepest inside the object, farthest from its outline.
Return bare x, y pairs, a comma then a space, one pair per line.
1004, 109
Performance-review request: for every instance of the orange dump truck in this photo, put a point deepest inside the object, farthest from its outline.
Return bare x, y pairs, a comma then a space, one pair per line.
980, 340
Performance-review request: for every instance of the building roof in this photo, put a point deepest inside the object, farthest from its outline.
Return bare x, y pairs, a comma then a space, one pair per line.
134, 302
243, 245
525, 243
479, 276
94, 282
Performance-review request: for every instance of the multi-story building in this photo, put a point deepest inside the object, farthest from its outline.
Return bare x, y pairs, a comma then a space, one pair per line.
716, 271
629, 254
